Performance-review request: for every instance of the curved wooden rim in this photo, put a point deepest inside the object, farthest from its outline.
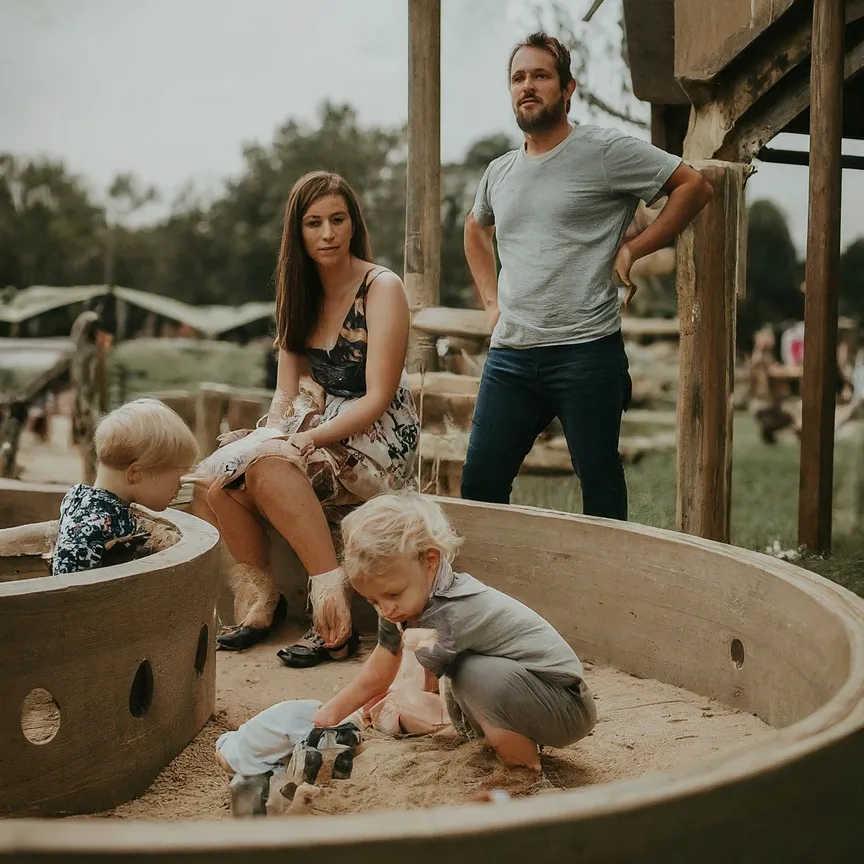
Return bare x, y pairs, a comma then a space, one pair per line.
196, 538
839, 717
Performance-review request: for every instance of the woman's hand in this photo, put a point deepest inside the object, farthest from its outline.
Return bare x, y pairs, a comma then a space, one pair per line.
331, 612
303, 441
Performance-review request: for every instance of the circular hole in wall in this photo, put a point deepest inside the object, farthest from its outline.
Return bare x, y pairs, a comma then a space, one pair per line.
40, 716
141, 694
736, 651
202, 649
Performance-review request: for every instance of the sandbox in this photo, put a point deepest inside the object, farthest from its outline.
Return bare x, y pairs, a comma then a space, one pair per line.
740, 629
105, 676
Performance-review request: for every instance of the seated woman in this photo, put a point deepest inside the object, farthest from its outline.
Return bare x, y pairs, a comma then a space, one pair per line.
344, 322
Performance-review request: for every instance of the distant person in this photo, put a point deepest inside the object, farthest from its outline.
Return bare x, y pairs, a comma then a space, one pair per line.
343, 321
559, 207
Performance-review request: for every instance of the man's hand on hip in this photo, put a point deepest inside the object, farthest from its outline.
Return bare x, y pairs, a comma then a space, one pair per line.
621, 272
493, 313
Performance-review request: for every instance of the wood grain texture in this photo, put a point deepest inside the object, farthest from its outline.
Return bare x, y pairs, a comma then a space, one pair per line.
423, 180
83, 638
818, 386
710, 35
653, 602
707, 279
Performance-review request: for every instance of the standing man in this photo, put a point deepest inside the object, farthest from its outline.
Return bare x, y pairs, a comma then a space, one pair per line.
560, 206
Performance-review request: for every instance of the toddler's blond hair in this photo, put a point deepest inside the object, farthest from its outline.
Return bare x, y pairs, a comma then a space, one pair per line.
387, 526
145, 432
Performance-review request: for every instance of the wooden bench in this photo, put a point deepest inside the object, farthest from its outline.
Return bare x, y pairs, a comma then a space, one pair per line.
442, 457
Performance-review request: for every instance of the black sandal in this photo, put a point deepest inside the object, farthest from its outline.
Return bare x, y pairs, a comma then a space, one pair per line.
241, 637
309, 650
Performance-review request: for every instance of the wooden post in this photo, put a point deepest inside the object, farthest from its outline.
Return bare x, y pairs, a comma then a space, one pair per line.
708, 277
821, 278
423, 198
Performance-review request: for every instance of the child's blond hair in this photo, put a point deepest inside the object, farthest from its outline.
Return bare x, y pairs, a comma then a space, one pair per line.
145, 432
387, 526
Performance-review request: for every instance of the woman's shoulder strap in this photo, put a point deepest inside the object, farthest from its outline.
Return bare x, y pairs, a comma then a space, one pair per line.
372, 274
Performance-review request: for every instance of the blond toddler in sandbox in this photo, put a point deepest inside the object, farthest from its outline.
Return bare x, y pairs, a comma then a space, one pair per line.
508, 675
142, 450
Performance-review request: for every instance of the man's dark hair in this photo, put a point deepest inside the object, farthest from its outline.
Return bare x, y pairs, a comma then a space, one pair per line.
555, 47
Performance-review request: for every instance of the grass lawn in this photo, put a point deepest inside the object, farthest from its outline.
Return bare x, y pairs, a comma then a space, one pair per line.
153, 365
764, 498
764, 483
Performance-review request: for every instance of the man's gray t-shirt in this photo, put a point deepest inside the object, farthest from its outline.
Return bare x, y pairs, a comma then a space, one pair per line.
559, 221
472, 617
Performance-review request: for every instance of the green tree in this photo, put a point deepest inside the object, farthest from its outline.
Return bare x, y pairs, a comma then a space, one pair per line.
852, 279
126, 195
773, 273
50, 229
246, 223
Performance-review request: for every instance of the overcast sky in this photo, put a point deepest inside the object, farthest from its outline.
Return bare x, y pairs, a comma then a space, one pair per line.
171, 89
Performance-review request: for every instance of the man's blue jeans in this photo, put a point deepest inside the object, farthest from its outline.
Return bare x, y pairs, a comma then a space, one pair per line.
586, 386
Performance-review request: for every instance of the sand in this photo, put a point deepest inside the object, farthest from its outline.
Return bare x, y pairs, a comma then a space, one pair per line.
642, 726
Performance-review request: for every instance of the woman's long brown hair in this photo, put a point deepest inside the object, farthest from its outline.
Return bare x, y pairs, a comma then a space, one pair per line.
299, 293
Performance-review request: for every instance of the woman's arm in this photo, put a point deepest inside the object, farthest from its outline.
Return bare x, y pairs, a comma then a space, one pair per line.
288, 372
388, 322
376, 675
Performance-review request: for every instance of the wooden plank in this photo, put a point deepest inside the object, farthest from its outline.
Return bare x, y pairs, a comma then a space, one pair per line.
550, 457
472, 324
443, 382
707, 277
710, 35
423, 199
821, 277
772, 115
650, 26
764, 90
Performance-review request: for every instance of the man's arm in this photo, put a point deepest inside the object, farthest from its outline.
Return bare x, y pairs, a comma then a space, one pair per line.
480, 254
688, 193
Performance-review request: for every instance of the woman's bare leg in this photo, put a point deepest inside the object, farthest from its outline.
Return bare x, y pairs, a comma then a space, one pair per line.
199, 507
241, 526
285, 497
245, 535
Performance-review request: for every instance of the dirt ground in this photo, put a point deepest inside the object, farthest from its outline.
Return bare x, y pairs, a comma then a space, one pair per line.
642, 726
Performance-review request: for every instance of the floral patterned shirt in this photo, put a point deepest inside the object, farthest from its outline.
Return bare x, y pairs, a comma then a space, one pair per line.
89, 518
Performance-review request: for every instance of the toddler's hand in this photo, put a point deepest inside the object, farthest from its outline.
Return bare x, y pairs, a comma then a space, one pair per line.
324, 717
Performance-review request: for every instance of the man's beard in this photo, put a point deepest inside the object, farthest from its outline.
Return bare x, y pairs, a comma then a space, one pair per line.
544, 118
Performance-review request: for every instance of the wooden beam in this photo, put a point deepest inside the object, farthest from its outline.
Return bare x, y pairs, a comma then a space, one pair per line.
821, 278
423, 198
763, 89
707, 280
802, 157
772, 115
